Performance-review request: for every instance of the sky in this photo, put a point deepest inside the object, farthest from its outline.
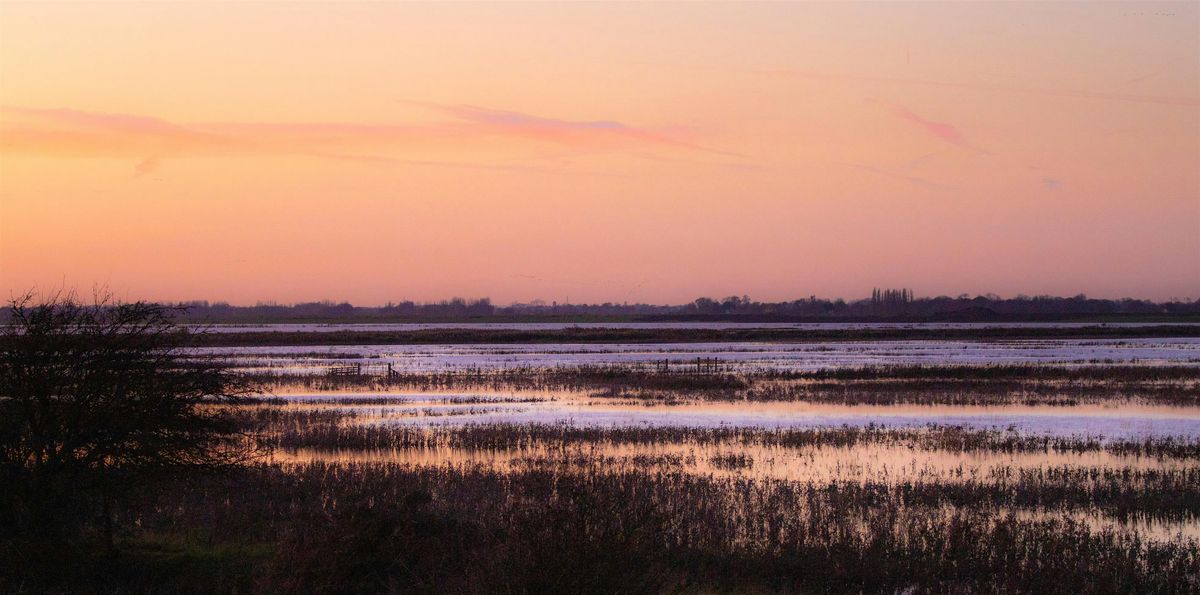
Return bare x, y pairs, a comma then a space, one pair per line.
593, 152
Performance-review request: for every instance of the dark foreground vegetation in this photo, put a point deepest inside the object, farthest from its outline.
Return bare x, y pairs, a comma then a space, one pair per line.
99, 403
570, 520
372, 528
566, 516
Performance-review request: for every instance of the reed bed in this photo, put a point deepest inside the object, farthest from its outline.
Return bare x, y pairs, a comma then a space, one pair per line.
1121, 491
569, 514
386, 527
1055, 385
1124, 494
506, 436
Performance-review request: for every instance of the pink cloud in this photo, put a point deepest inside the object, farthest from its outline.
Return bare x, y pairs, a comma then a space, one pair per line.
127, 127
608, 133
942, 130
100, 120
70, 131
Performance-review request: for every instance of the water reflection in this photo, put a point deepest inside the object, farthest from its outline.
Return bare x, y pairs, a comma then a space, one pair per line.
1125, 419
742, 356
543, 326
897, 464
817, 466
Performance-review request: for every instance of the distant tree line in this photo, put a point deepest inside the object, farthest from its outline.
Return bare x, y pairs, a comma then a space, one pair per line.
901, 303
890, 298
884, 303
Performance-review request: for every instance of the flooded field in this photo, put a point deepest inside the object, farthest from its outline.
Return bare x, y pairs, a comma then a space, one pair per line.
926, 465
1111, 420
747, 356
944, 459
1103, 435
414, 326
1112, 469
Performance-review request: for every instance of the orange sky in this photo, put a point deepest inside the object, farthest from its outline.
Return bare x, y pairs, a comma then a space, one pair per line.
248, 151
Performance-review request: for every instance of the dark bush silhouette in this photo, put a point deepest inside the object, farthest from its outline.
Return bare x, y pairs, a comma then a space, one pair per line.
96, 401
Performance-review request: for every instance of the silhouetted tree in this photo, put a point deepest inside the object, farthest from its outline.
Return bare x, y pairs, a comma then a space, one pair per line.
98, 400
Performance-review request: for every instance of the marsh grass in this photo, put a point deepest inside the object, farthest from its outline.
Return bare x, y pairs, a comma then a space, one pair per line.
1033, 385
387, 527
571, 512
504, 436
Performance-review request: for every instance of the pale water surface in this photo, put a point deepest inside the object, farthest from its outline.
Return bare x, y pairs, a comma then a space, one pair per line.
542, 326
732, 356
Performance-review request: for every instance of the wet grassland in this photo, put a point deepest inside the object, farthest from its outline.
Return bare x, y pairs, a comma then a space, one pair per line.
640, 477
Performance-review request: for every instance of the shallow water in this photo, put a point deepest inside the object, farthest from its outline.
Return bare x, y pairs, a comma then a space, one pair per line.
879, 463
1110, 420
742, 356
543, 326
817, 466
820, 464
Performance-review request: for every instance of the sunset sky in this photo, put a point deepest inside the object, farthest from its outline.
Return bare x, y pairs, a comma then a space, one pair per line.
248, 151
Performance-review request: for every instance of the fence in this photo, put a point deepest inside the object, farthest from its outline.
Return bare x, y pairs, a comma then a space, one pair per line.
701, 365
348, 370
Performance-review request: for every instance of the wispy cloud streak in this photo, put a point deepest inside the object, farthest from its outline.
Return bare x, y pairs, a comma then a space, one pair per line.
978, 86
61, 131
942, 130
569, 132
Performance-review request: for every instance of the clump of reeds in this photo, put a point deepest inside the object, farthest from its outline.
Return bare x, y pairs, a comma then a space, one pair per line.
732, 461
375, 527
1027, 384
506, 436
